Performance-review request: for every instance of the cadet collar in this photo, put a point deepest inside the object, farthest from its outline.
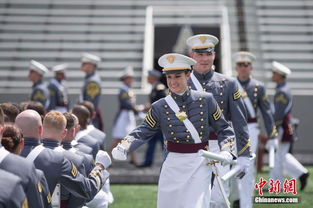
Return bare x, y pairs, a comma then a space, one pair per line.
50, 143
37, 83
244, 82
181, 98
280, 85
90, 75
206, 76
31, 141
66, 145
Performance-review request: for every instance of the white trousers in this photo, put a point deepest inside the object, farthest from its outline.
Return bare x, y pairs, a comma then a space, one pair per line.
217, 200
185, 182
246, 184
276, 173
293, 167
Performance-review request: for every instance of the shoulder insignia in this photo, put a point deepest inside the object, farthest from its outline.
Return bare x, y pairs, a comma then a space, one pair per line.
281, 99
24, 203
93, 89
39, 95
39, 187
74, 170
160, 87
124, 95
217, 114
49, 199
236, 95
278, 123
150, 120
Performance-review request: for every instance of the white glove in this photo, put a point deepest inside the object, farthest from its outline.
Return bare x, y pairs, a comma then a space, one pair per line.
228, 158
243, 163
103, 158
272, 143
119, 152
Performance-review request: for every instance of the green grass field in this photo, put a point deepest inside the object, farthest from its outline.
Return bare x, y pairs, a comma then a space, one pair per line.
144, 196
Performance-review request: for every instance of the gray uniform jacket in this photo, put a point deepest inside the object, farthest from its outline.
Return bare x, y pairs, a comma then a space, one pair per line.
58, 169
58, 95
43, 188
256, 92
27, 172
283, 107
90, 142
226, 93
99, 136
92, 89
40, 93
12, 194
202, 111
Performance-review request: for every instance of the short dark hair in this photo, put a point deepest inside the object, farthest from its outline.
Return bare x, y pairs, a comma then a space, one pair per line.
83, 115
11, 137
89, 105
70, 120
1, 117
10, 110
37, 106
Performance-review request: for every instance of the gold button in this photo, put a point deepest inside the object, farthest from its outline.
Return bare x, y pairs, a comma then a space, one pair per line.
189, 87
177, 141
203, 83
175, 97
174, 138
187, 140
221, 94
172, 132
255, 94
222, 102
167, 112
200, 99
188, 136
201, 127
204, 90
187, 93
255, 89
201, 119
168, 119
170, 125
187, 130
184, 106
201, 132
165, 106
201, 113
200, 137
221, 86
222, 110
201, 106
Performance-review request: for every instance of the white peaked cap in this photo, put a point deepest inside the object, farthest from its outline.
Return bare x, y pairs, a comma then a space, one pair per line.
90, 58
244, 57
60, 68
174, 62
202, 42
38, 67
280, 68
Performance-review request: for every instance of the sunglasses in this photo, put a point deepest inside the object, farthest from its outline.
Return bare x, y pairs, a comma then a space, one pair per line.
245, 64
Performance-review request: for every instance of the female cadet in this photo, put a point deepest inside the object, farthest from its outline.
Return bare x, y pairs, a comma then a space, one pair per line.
184, 117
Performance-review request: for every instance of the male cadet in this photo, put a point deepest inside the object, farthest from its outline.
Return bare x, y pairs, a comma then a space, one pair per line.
92, 130
254, 97
12, 194
92, 85
57, 90
22, 168
225, 91
284, 161
40, 92
58, 169
158, 91
184, 117
82, 113
10, 111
